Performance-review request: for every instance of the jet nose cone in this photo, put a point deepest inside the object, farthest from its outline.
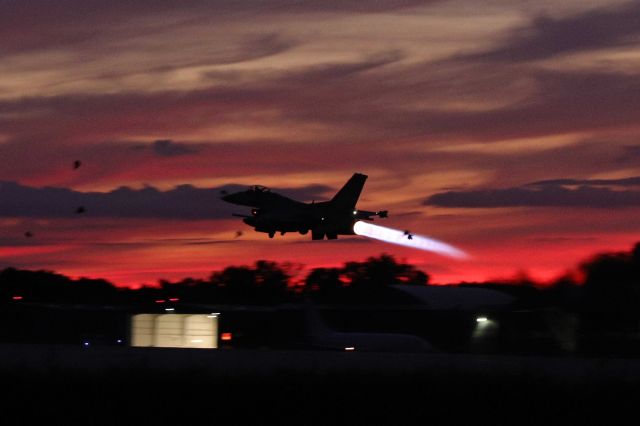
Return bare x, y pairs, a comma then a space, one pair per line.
239, 198
235, 198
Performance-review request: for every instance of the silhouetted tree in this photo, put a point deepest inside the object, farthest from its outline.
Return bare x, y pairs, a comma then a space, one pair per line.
324, 282
271, 280
382, 271
612, 281
47, 286
266, 283
366, 281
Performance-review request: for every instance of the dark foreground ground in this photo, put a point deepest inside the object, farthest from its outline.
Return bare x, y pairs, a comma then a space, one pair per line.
46, 385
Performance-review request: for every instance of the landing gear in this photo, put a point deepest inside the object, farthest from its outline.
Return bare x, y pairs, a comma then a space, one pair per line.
303, 231
272, 234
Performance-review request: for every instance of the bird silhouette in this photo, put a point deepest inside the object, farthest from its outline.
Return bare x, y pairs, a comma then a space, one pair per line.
28, 234
81, 210
76, 164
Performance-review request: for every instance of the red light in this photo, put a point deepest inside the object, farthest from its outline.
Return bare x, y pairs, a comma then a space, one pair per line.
17, 297
226, 337
160, 301
173, 299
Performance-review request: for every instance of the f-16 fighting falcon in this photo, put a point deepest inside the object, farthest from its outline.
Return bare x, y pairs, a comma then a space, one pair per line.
272, 212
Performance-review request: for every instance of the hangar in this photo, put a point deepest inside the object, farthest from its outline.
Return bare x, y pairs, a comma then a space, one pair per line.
175, 330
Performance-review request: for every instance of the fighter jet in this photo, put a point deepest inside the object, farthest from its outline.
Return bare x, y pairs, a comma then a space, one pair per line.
272, 212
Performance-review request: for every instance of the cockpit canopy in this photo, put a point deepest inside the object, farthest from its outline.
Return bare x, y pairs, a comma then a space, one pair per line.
259, 188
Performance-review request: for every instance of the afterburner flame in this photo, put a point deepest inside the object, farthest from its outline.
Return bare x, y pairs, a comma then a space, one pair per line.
419, 242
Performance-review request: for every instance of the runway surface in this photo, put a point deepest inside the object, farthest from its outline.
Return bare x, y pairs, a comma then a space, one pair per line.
122, 385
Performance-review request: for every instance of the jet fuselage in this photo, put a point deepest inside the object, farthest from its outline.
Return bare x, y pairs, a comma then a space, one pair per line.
272, 212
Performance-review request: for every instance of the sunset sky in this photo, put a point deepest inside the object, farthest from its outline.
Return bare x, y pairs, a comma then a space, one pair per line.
509, 129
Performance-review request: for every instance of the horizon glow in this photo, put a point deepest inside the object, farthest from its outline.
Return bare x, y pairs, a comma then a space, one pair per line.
419, 242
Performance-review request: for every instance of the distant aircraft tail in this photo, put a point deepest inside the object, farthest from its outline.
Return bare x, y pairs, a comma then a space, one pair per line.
315, 324
348, 195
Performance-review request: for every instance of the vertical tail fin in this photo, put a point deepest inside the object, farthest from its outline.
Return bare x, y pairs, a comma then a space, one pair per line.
348, 195
315, 324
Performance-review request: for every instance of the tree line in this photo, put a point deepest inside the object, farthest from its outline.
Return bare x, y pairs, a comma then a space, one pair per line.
606, 282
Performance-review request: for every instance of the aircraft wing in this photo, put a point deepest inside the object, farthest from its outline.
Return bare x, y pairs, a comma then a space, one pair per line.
367, 215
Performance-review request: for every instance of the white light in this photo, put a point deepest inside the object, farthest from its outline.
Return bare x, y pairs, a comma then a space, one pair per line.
169, 309
402, 238
350, 348
482, 319
197, 341
355, 212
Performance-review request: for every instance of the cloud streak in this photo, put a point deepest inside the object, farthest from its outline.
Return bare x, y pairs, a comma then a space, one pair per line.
548, 37
42, 24
551, 193
184, 202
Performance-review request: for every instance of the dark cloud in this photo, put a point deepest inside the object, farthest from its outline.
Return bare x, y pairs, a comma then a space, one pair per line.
358, 105
630, 154
212, 53
548, 37
632, 181
344, 104
163, 148
545, 194
41, 24
332, 72
404, 102
562, 102
350, 5
183, 202
169, 148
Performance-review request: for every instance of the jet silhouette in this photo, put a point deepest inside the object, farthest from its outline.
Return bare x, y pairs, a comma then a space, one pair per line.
272, 212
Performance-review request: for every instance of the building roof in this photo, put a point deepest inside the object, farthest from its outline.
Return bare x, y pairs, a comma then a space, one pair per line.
456, 298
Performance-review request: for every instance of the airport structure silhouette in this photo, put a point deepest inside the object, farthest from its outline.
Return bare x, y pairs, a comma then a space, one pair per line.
66, 347
261, 308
